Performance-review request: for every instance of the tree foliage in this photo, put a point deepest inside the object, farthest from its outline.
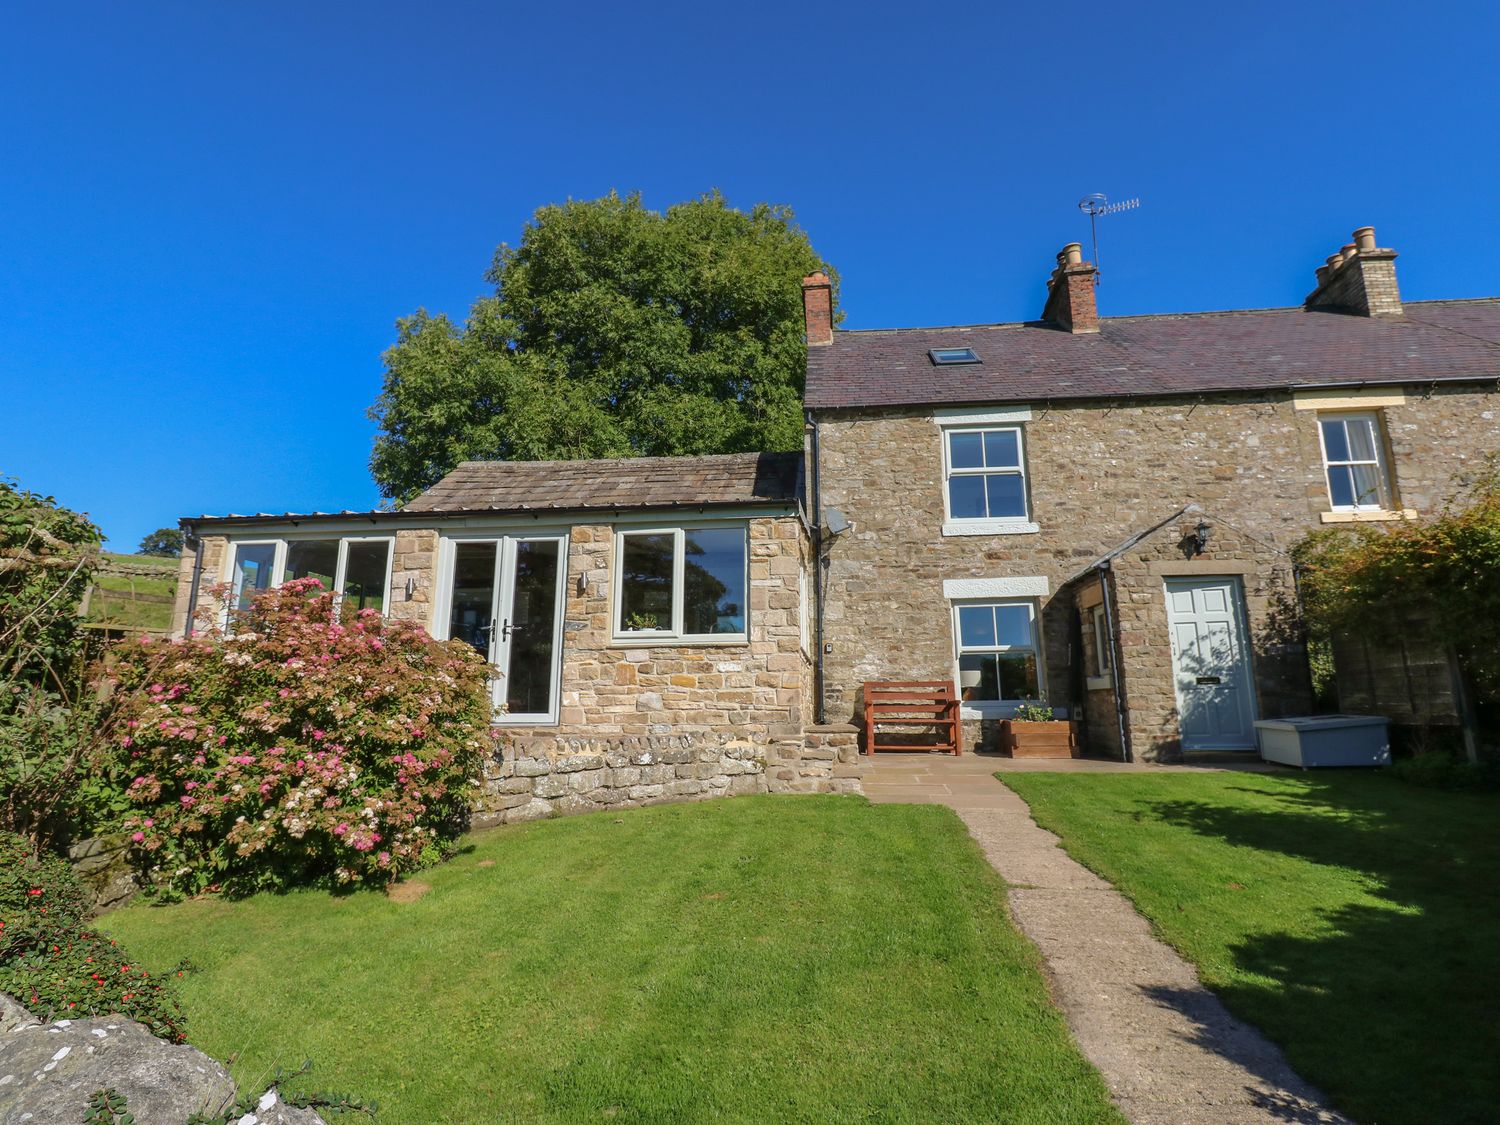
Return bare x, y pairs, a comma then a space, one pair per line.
1375, 580
613, 331
164, 541
47, 559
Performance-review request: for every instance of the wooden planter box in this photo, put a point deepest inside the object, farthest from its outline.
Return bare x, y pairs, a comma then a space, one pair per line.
1055, 739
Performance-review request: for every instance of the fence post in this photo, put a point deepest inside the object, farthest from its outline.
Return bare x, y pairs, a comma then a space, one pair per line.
1464, 705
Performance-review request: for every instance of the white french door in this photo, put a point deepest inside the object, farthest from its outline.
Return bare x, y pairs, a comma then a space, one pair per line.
1211, 665
504, 596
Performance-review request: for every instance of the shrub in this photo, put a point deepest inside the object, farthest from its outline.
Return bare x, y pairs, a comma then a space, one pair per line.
57, 967
1437, 770
295, 747
47, 559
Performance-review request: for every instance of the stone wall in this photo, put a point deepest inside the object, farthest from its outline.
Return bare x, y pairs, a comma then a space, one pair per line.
1100, 474
534, 777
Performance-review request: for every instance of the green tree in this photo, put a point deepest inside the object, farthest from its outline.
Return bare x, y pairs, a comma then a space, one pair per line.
613, 331
164, 541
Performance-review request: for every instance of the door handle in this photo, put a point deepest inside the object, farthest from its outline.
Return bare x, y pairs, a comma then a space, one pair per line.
507, 629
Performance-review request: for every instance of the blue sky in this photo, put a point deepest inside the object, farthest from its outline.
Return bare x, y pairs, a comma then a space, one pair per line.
211, 214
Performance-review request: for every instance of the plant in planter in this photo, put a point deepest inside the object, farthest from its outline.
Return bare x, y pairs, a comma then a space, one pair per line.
1035, 731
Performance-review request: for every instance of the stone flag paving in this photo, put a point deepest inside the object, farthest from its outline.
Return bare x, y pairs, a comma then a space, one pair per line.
1169, 1050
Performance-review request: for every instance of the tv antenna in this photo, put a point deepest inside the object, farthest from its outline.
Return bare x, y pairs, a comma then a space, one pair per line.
1096, 206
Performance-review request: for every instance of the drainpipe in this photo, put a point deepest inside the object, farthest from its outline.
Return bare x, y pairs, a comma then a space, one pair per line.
1116, 663
192, 606
815, 479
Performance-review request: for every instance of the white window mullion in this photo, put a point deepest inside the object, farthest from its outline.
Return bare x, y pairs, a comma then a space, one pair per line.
679, 569
339, 571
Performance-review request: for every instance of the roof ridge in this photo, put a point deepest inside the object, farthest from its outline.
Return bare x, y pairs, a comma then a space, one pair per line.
983, 325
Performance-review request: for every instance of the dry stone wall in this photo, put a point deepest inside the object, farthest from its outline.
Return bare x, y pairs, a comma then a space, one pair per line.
535, 777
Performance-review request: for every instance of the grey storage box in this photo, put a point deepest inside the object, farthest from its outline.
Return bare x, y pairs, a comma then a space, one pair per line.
1325, 740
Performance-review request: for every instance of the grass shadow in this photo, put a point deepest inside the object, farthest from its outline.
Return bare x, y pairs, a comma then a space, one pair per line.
1388, 995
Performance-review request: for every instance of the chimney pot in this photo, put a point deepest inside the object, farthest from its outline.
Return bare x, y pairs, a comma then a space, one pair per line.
1359, 279
1073, 252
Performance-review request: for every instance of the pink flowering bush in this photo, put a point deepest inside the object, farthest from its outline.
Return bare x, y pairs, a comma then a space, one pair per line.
295, 748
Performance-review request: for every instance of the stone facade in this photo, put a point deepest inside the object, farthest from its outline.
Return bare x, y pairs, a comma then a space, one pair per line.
758, 688
638, 722
1100, 475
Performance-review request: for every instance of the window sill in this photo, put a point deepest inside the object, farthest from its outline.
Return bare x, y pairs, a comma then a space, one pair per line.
1099, 683
657, 640
1368, 517
997, 710
990, 527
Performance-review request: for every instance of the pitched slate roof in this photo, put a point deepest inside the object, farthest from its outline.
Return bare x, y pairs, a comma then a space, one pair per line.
633, 482
1191, 353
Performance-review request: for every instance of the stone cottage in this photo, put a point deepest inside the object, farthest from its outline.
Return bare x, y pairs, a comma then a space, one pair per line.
1097, 512
647, 619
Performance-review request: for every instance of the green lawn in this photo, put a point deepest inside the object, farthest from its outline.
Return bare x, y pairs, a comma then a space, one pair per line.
756, 959
1353, 918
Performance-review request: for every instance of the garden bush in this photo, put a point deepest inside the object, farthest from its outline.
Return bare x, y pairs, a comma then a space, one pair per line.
297, 745
47, 709
57, 967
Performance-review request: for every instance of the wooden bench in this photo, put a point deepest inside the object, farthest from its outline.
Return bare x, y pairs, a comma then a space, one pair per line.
910, 705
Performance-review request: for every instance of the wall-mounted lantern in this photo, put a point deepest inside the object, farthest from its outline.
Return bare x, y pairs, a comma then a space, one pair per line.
1200, 537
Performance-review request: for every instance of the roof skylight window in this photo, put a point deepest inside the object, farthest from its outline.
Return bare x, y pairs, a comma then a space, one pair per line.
953, 357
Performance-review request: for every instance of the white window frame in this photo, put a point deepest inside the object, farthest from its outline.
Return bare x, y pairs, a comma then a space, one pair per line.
278, 563
278, 566
1102, 674
997, 708
1384, 488
502, 595
1002, 525
674, 635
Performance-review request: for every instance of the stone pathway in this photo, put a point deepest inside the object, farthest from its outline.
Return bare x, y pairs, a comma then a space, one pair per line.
1170, 1052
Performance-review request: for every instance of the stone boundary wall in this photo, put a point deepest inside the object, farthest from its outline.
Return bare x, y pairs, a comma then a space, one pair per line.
532, 777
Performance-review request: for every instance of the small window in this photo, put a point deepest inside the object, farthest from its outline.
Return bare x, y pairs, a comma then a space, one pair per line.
1099, 631
683, 583
997, 651
1354, 462
986, 474
953, 357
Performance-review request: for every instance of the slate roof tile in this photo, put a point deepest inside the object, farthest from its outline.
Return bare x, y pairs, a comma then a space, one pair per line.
1190, 353
634, 482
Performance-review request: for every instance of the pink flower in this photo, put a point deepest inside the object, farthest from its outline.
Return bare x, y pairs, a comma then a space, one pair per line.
376, 644
319, 735
137, 837
149, 822
188, 802
341, 829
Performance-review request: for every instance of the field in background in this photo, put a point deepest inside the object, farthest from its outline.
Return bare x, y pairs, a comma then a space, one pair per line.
133, 593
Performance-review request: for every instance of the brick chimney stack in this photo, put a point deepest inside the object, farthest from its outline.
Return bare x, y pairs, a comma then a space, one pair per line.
1071, 303
817, 309
1360, 279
